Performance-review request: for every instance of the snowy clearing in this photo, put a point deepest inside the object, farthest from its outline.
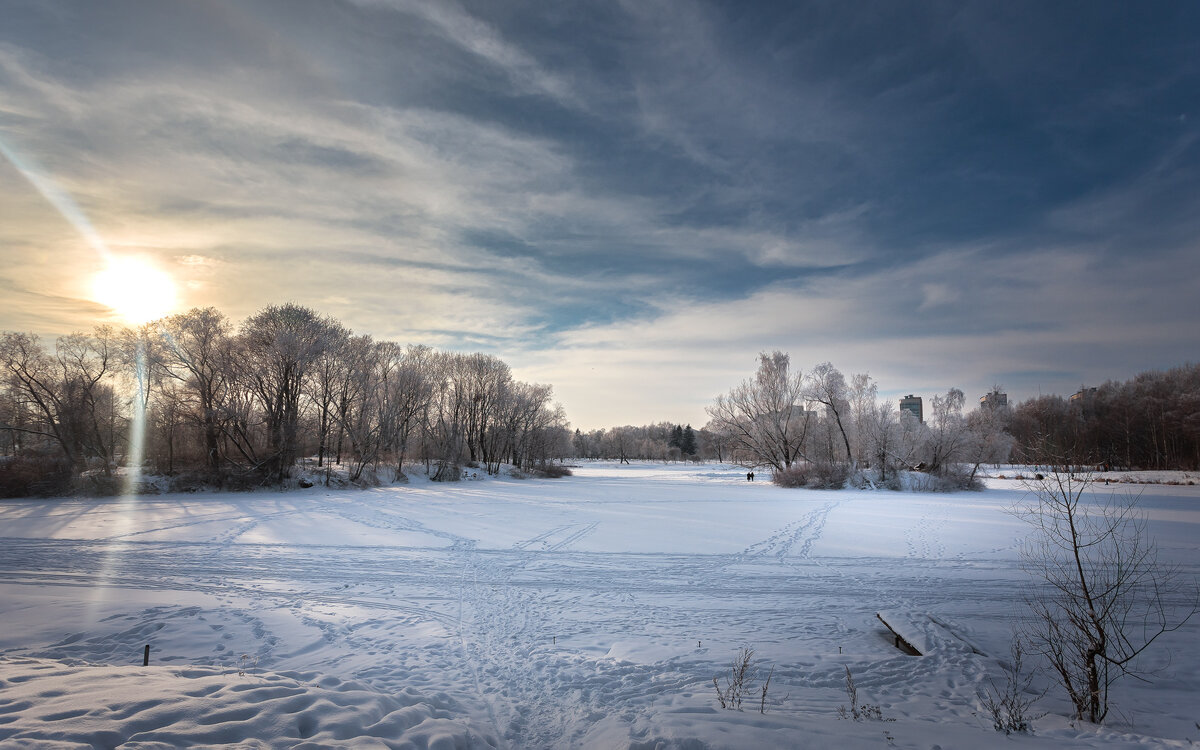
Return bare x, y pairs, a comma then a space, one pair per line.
591, 611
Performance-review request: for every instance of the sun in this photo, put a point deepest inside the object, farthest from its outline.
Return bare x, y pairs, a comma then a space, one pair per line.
134, 289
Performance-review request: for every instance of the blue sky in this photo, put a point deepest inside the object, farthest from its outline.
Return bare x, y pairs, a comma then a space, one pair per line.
630, 200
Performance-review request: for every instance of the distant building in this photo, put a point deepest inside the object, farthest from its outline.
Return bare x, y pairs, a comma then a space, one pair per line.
912, 405
1082, 393
800, 414
993, 400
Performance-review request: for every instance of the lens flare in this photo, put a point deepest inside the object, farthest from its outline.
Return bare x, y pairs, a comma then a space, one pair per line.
139, 293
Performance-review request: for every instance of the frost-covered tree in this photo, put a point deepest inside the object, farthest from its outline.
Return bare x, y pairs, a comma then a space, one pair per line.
194, 350
407, 393
279, 347
329, 372
66, 397
827, 387
947, 433
987, 439
764, 417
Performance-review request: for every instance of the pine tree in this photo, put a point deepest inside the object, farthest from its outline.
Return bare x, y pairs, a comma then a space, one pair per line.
676, 439
687, 441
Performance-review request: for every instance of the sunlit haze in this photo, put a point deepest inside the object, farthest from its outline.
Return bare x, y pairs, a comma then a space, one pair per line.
135, 290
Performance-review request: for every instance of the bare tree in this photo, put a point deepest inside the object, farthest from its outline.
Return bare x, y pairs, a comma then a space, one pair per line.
361, 408
39, 392
987, 440
486, 383
947, 431
406, 397
881, 435
828, 387
714, 441
618, 442
444, 420
764, 417
195, 350
329, 371
70, 392
863, 396
1100, 597
246, 400
281, 343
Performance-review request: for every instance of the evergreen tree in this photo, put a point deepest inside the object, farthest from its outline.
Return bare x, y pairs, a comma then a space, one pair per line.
687, 441
676, 439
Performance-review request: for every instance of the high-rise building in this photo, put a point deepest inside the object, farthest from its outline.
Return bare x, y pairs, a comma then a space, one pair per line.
912, 405
993, 400
1082, 393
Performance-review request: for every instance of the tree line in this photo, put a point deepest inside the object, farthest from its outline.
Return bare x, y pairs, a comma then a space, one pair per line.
1151, 421
242, 406
818, 428
238, 406
662, 441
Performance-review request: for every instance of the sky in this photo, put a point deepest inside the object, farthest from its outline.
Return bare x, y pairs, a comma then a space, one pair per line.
627, 200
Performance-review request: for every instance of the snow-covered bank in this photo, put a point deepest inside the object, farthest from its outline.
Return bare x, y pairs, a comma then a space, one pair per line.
586, 612
47, 701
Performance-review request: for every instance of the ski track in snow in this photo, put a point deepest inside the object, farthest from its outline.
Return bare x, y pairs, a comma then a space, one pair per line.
533, 630
507, 614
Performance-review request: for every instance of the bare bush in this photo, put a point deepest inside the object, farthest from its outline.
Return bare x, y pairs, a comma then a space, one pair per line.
955, 477
829, 476
795, 476
859, 711
552, 471
950, 479
824, 475
34, 475
1010, 707
739, 681
763, 690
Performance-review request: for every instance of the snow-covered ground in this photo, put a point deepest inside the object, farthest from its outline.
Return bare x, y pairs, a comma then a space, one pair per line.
591, 611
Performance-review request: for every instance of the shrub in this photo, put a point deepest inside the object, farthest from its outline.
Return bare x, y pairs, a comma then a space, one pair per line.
552, 471
97, 484
818, 476
957, 477
829, 476
34, 476
447, 472
859, 711
739, 683
1010, 706
794, 476
951, 478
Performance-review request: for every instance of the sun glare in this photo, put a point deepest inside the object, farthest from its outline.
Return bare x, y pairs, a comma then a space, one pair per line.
134, 289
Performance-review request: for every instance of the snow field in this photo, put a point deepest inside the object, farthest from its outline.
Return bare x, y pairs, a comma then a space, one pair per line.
590, 611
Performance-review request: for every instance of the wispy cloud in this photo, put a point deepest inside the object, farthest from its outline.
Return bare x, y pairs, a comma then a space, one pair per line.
618, 196
483, 40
